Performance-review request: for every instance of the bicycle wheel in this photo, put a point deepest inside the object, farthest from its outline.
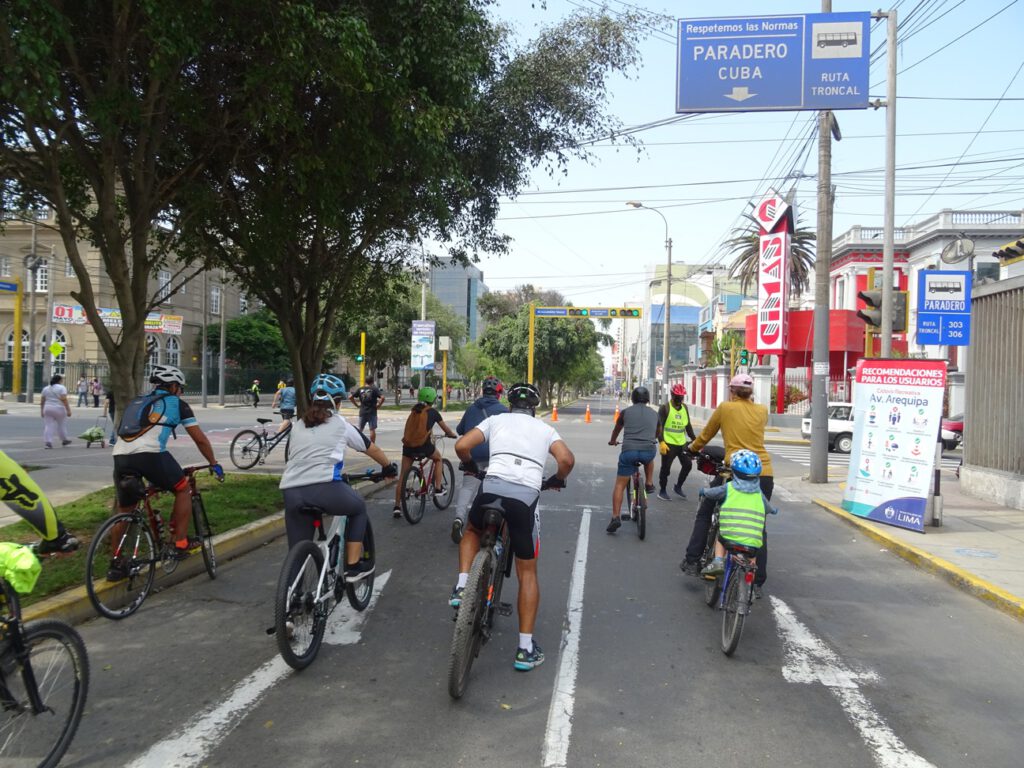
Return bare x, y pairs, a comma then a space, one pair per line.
414, 495
502, 565
640, 512
468, 634
287, 446
120, 566
201, 523
58, 663
299, 622
246, 449
712, 587
448, 483
359, 594
732, 616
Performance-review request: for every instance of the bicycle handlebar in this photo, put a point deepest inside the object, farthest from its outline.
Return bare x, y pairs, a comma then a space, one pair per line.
191, 469
391, 470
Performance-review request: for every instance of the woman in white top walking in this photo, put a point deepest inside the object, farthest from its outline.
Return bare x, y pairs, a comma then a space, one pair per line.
55, 410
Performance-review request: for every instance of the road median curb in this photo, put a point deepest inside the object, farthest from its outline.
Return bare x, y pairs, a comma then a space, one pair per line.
73, 605
985, 591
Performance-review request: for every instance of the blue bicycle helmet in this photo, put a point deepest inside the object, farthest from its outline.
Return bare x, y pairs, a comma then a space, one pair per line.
328, 387
745, 464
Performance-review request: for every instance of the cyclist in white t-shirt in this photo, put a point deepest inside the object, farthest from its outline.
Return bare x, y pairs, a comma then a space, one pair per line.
519, 446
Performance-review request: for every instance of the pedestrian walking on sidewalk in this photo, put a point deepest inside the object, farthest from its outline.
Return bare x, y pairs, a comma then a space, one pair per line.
55, 409
83, 391
97, 390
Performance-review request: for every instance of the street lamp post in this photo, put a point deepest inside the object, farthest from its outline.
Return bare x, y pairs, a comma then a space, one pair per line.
668, 298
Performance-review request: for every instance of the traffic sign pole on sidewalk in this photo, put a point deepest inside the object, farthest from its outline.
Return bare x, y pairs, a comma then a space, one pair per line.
14, 287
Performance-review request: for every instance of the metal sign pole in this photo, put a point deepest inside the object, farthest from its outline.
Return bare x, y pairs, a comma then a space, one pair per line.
890, 186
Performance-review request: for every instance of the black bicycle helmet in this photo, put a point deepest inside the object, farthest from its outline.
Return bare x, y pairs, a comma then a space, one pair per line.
523, 396
490, 386
641, 395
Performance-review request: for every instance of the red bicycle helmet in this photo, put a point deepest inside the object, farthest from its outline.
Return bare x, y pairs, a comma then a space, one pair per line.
678, 390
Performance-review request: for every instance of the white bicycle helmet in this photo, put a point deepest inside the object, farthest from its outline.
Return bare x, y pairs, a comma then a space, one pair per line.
167, 374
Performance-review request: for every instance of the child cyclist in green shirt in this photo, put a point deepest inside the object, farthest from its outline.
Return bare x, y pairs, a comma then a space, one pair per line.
741, 518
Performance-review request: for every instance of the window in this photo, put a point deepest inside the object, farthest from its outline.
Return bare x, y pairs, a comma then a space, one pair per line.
153, 353
215, 300
243, 304
163, 284
173, 356
69, 268
43, 277
5, 266
9, 346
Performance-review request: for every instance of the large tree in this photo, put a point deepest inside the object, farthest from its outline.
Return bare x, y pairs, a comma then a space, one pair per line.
403, 121
496, 305
108, 111
745, 248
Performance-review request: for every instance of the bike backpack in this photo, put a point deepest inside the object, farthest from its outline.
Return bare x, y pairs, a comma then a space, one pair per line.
142, 414
367, 397
416, 431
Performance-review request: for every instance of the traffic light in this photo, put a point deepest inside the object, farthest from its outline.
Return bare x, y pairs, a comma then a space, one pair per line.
872, 313
360, 358
744, 357
727, 357
573, 312
625, 312
899, 311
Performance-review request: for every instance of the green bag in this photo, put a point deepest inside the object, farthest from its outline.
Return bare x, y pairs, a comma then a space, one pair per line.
93, 434
19, 567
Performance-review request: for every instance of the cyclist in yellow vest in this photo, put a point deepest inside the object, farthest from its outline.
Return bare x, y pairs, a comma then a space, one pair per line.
744, 507
21, 494
675, 432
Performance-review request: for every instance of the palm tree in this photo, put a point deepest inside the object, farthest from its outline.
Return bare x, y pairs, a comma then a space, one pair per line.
745, 245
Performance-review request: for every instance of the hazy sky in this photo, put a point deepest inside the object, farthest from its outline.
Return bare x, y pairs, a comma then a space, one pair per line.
958, 146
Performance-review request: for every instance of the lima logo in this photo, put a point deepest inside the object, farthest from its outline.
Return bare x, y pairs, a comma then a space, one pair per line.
890, 513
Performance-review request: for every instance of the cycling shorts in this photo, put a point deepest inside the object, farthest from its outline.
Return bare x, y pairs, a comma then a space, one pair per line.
424, 451
628, 460
160, 469
334, 498
521, 518
287, 413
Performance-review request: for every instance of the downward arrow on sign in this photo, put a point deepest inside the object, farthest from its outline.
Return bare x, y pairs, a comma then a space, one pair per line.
740, 93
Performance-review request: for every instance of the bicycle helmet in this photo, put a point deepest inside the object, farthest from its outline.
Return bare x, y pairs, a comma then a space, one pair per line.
490, 386
678, 390
327, 387
523, 396
426, 395
640, 395
167, 374
745, 464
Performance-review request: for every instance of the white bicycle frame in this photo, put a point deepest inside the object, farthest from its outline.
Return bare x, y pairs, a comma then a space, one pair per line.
336, 528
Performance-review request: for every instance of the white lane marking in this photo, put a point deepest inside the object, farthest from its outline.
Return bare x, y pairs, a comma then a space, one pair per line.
809, 660
556, 740
205, 730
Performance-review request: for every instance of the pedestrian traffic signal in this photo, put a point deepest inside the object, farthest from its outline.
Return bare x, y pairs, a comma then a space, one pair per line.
360, 358
574, 312
872, 313
744, 357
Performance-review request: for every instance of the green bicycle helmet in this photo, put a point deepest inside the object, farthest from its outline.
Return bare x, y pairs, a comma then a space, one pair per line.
426, 395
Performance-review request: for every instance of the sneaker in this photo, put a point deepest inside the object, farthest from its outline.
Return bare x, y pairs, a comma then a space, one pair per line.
528, 659
456, 599
678, 490
180, 553
359, 571
48, 445
614, 525
117, 571
457, 525
396, 512
65, 442
690, 568
649, 488
625, 516
758, 591
715, 568
663, 495
63, 543
442, 490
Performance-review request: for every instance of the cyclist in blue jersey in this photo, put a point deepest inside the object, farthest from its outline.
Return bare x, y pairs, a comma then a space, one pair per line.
145, 454
284, 400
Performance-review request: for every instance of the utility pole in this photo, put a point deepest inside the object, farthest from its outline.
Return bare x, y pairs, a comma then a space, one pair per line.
822, 267
223, 340
50, 275
32, 270
888, 223
204, 366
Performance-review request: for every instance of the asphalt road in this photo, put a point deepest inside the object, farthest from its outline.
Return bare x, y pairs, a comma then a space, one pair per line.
854, 658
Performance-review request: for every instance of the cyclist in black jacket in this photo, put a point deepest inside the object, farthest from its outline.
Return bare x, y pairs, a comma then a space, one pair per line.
482, 408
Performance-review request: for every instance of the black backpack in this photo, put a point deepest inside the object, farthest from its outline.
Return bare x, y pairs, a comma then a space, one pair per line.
367, 397
142, 414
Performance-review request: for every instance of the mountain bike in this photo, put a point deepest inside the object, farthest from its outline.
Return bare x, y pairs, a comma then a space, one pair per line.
44, 680
481, 598
123, 555
636, 494
251, 447
737, 593
417, 482
312, 581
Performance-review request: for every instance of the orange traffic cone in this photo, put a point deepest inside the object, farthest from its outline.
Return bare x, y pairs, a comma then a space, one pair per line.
586, 418
615, 418
554, 413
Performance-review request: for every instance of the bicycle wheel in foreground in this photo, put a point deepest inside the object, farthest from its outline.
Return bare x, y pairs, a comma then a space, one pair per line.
712, 587
359, 594
245, 449
120, 566
201, 523
448, 480
467, 638
732, 616
414, 497
60, 667
640, 512
299, 622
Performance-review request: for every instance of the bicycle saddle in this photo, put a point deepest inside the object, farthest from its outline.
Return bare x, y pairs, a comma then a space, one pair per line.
264, 421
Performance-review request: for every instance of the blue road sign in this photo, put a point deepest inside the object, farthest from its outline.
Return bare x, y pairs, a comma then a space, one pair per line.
600, 312
943, 307
12, 287
763, 63
551, 312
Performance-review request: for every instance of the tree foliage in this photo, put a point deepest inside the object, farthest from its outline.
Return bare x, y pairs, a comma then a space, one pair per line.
745, 247
251, 341
499, 304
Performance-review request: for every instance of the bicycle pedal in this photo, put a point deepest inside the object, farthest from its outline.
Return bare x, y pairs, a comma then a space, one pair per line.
505, 609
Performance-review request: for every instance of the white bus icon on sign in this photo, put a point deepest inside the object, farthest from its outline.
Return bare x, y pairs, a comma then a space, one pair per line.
832, 39
945, 286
